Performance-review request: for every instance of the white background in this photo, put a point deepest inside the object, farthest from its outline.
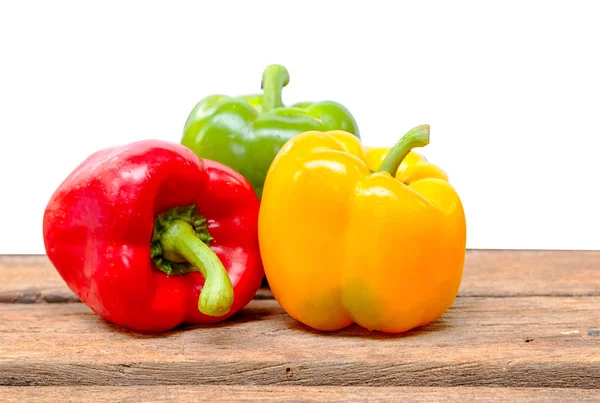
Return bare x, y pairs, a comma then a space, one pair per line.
511, 90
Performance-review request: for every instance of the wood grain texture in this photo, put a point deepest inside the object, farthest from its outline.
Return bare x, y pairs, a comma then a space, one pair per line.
531, 272
30, 279
82, 394
33, 279
480, 342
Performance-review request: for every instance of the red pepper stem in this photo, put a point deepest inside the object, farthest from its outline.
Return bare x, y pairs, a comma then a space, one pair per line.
415, 137
179, 243
274, 78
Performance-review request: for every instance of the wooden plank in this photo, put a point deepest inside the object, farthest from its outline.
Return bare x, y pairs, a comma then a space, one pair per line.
531, 272
542, 342
292, 394
33, 279
27, 279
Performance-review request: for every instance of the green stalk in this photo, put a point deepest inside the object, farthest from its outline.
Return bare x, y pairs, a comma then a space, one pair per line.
415, 137
178, 249
275, 77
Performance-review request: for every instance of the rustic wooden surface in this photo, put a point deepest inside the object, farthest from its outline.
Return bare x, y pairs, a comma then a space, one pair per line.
487, 273
525, 327
538, 341
33, 279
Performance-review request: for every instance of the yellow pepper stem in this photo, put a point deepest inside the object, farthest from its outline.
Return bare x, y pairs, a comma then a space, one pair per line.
415, 137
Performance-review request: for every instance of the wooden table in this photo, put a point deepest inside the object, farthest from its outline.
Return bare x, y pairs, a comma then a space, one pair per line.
525, 327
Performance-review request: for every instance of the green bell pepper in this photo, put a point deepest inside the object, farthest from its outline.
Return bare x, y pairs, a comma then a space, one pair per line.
246, 132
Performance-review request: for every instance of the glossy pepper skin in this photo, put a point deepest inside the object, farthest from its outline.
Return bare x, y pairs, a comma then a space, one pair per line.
412, 168
246, 132
149, 236
341, 244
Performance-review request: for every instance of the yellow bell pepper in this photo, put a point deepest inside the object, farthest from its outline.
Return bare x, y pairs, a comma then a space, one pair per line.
341, 244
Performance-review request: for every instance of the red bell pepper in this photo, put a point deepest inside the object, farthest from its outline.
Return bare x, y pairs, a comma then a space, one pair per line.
149, 236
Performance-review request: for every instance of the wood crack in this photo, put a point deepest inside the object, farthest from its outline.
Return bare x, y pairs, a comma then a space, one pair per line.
63, 297
487, 274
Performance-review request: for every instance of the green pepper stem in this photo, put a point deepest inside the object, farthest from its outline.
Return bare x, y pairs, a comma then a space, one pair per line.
274, 78
179, 243
415, 137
